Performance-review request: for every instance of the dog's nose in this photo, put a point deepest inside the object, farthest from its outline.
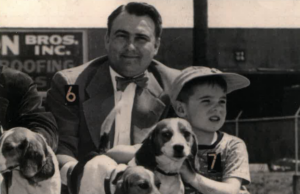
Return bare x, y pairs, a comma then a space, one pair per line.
178, 148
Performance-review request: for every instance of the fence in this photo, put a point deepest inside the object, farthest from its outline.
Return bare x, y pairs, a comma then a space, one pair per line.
268, 139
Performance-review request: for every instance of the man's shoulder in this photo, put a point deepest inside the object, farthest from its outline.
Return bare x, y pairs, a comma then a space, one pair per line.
71, 74
163, 69
15, 78
163, 73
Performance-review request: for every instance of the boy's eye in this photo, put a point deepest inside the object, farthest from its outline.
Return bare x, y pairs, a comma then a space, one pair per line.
223, 102
206, 101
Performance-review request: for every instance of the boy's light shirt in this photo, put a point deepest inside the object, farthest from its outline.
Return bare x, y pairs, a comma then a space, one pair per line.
231, 160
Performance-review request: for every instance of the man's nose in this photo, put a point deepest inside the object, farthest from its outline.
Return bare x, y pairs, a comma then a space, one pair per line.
131, 44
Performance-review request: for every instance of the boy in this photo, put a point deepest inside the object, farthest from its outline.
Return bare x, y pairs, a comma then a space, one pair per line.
199, 95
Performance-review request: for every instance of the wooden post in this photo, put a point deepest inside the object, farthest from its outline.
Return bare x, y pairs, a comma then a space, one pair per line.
200, 32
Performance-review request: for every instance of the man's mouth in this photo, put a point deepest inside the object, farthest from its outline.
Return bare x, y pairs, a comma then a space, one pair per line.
130, 56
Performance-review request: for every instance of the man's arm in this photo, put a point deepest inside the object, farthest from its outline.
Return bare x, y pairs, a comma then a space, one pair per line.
25, 109
67, 121
66, 117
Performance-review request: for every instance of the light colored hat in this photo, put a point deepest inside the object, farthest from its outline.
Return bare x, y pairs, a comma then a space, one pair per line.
234, 81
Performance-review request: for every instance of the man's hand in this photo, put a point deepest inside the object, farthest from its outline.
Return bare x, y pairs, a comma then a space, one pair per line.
123, 153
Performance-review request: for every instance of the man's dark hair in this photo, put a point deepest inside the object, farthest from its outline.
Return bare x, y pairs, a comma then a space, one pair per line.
188, 88
138, 9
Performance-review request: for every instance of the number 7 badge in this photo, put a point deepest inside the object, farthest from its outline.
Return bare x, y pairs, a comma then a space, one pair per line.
214, 162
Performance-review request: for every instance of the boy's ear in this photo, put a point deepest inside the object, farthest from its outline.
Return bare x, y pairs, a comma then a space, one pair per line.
156, 45
180, 109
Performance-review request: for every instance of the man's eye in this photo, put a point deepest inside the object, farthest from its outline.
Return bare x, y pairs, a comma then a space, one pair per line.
121, 36
141, 38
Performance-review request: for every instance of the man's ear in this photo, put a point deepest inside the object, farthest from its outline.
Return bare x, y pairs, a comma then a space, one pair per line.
180, 109
156, 45
106, 40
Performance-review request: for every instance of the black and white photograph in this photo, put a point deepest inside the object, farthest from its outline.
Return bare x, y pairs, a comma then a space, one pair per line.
149, 96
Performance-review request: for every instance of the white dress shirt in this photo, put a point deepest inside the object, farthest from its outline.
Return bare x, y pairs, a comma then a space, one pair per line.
123, 115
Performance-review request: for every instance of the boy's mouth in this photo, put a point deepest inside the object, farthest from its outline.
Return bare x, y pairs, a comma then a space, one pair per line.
214, 118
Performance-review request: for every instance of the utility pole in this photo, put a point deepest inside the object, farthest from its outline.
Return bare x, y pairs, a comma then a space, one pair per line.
200, 33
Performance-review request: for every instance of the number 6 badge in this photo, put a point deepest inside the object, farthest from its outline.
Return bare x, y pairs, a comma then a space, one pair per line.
71, 95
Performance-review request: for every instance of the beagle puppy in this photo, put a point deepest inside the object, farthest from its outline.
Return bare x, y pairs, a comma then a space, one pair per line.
103, 175
165, 149
31, 163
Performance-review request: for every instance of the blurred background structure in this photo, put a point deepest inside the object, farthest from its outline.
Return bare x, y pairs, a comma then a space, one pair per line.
257, 38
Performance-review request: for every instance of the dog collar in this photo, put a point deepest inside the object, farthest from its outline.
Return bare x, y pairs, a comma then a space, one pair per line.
166, 173
107, 186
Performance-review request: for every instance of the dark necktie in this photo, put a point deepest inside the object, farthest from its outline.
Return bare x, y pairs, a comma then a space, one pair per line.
122, 82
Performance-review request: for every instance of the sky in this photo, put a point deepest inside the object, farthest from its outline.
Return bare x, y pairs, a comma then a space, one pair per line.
175, 13
84, 13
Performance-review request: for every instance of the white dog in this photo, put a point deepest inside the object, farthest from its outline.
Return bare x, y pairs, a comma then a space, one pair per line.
31, 162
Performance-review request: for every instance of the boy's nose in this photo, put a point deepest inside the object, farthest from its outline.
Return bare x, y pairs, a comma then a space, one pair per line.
218, 107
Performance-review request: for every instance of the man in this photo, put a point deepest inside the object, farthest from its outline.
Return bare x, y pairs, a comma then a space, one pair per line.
20, 106
128, 78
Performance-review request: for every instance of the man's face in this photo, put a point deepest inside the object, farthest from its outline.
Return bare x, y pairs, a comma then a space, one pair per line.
206, 108
131, 44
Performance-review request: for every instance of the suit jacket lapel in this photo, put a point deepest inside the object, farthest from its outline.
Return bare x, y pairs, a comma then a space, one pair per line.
147, 107
153, 86
100, 103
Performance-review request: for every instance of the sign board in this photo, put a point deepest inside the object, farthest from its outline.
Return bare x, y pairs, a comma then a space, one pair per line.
42, 53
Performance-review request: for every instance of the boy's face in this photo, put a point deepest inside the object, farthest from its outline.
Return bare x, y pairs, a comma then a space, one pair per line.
206, 108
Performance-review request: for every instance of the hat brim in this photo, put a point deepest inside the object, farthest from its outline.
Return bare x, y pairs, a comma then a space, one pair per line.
234, 82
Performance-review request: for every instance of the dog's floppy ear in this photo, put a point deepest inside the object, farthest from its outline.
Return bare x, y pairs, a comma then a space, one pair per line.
116, 181
192, 158
121, 187
35, 158
145, 156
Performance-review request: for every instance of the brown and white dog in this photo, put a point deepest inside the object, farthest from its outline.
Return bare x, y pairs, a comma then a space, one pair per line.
32, 163
164, 151
103, 175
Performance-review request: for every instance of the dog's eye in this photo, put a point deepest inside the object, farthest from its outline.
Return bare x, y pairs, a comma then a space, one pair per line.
186, 134
8, 148
157, 184
167, 135
143, 185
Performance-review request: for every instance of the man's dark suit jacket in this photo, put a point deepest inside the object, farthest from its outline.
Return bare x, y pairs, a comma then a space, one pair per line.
79, 125
20, 106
